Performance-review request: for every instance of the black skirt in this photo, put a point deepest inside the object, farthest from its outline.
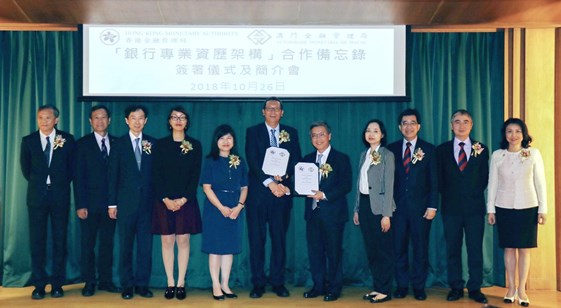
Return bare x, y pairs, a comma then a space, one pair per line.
517, 228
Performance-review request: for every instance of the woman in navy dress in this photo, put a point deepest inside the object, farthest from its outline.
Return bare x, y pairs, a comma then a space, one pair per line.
176, 215
224, 181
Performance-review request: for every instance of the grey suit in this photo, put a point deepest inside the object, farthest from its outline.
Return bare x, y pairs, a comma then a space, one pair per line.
380, 182
371, 209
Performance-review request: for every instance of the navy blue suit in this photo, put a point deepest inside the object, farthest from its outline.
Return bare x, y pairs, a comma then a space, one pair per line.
326, 223
463, 210
131, 190
414, 193
264, 208
90, 192
47, 201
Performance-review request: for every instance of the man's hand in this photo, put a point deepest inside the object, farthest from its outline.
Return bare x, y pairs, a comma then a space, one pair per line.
82, 213
318, 195
113, 213
429, 214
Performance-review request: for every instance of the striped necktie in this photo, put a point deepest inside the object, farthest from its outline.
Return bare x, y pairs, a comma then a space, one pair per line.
462, 158
407, 158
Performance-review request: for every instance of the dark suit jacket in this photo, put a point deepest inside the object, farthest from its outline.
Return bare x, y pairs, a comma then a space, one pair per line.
129, 188
417, 190
90, 183
35, 170
335, 186
462, 192
256, 144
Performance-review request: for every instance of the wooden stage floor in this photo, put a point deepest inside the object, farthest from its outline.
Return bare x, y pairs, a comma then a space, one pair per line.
352, 297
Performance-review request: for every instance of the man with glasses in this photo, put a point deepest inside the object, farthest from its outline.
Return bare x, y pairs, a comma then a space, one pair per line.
269, 201
415, 193
463, 173
326, 213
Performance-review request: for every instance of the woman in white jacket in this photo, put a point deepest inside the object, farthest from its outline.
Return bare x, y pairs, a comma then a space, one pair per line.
517, 203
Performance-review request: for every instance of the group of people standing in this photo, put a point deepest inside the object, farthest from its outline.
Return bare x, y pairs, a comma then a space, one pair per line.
142, 186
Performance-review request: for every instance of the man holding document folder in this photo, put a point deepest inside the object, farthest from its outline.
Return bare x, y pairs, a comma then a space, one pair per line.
269, 201
326, 214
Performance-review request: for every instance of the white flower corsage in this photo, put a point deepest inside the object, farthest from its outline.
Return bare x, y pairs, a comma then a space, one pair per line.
185, 147
418, 155
146, 147
59, 142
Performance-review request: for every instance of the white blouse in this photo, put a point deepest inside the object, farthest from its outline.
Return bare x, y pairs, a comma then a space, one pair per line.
517, 181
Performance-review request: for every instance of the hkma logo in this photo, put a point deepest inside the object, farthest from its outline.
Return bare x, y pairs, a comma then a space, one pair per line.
259, 37
109, 37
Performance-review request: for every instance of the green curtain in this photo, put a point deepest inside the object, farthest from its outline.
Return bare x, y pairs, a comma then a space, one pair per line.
447, 71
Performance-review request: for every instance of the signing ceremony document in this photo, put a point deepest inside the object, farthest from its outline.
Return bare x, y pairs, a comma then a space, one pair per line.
306, 178
276, 161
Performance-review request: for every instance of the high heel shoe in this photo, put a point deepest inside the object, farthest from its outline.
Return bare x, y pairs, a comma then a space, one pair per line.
524, 302
229, 295
510, 300
219, 297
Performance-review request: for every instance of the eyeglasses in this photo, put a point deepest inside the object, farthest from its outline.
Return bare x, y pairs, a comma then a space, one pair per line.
320, 135
178, 119
413, 123
272, 109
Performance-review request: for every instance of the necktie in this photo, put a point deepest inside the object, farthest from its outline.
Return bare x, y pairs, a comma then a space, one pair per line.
407, 158
273, 139
47, 152
318, 162
462, 158
137, 153
104, 153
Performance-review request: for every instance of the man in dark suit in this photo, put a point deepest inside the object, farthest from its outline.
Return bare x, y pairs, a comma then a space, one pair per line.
268, 199
47, 162
326, 214
90, 193
415, 193
130, 201
463, 172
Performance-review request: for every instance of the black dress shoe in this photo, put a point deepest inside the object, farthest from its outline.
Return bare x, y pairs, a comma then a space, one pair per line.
143, 291
169, 293
313, 293
400, 293
257, 292
375, 300
57, 292
420, 294
38, 293
329, 297
455, 294
281, 291
127, 293
478, 296
109, 287
218, 297
229, 295
180, 293
89, 289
